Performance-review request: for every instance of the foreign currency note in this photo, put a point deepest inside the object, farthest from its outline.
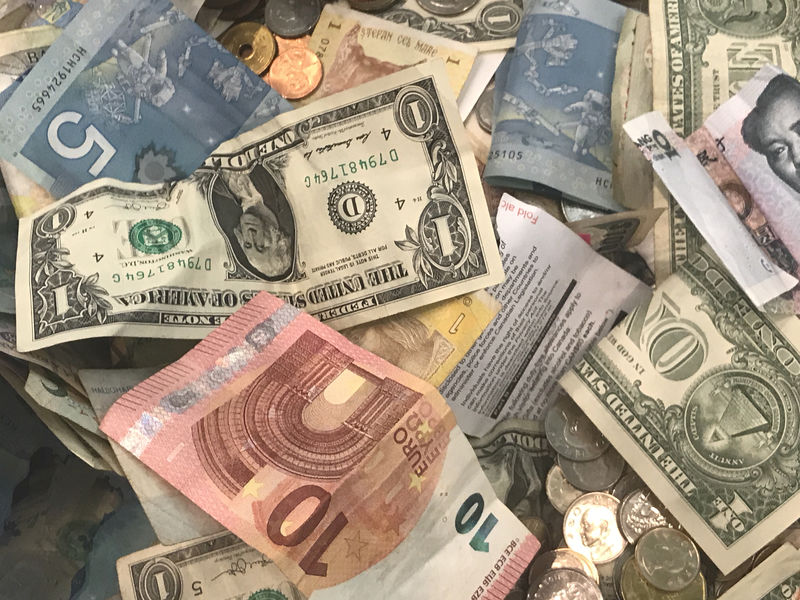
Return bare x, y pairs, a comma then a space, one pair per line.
63, 361
221, 567
131, 90
703, 52
57, 397
611, 233
19, 51
15, 373
428, 342
359, 480
631, 96
777, 578
757, 132
552, 131
174, 517
402, 223
708, 208
355, 47
698, 391
489, 24
559, 297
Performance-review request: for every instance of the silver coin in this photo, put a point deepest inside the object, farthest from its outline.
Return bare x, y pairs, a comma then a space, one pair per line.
564, 583
590, 527
595, 475
484, 109
639, 512
629, 482
371, 5
291, 18
618, 563
560, 492
667, 559
574, 211
561, 558
447, 8
571, 433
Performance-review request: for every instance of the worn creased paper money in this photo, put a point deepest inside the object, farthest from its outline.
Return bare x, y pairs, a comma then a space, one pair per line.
355, 47
346, 471
702, 54
221, 567
428, 342
174, 517
558, 298
777, 578
400, 223
699, 392
706, 205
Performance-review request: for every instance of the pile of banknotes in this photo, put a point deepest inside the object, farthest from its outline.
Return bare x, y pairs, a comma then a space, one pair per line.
469, 299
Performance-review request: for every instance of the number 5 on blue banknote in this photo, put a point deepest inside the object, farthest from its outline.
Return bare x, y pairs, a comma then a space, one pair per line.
133, 90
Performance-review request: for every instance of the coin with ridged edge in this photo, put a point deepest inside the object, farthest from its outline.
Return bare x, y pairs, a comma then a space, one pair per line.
251, 43
561, 558
571, 433
564, 583
635, 587
447, 8
667, 559
590, 527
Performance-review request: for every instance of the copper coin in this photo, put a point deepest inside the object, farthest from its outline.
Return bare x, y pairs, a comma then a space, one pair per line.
285, 43
295, 73
239, 10
251, 43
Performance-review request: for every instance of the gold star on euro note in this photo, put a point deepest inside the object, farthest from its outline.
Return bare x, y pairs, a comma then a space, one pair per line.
425, 428
252, 488
416, 482
355, 545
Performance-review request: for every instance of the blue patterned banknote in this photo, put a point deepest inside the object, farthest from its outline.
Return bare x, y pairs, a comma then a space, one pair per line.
132, 89
552, 129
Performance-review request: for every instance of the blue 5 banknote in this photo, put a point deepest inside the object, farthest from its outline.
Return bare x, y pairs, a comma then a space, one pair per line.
552, 130
133, 90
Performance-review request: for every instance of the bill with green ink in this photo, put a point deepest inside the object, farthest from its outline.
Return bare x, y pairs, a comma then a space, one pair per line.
703, 53
777, 578
220, 566
699, 392
365, 204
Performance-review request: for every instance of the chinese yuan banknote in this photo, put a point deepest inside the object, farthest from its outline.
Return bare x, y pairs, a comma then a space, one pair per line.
346, 471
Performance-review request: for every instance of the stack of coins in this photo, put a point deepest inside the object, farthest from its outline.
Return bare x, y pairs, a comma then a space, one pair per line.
618, 542
277, 49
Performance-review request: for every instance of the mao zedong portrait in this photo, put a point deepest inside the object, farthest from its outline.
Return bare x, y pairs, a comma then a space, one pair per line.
772, 128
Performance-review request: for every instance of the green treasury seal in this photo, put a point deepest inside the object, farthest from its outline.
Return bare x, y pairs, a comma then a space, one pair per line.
267, 595
154, 236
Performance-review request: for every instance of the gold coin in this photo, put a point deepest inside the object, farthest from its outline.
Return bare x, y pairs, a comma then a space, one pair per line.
251, 43
635, 587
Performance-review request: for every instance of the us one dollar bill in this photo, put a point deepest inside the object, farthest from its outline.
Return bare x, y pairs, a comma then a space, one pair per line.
777, 578
703, 53
552, 128
221, 567
699, 392
358, 482
131, 90
489, 24
399, 223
